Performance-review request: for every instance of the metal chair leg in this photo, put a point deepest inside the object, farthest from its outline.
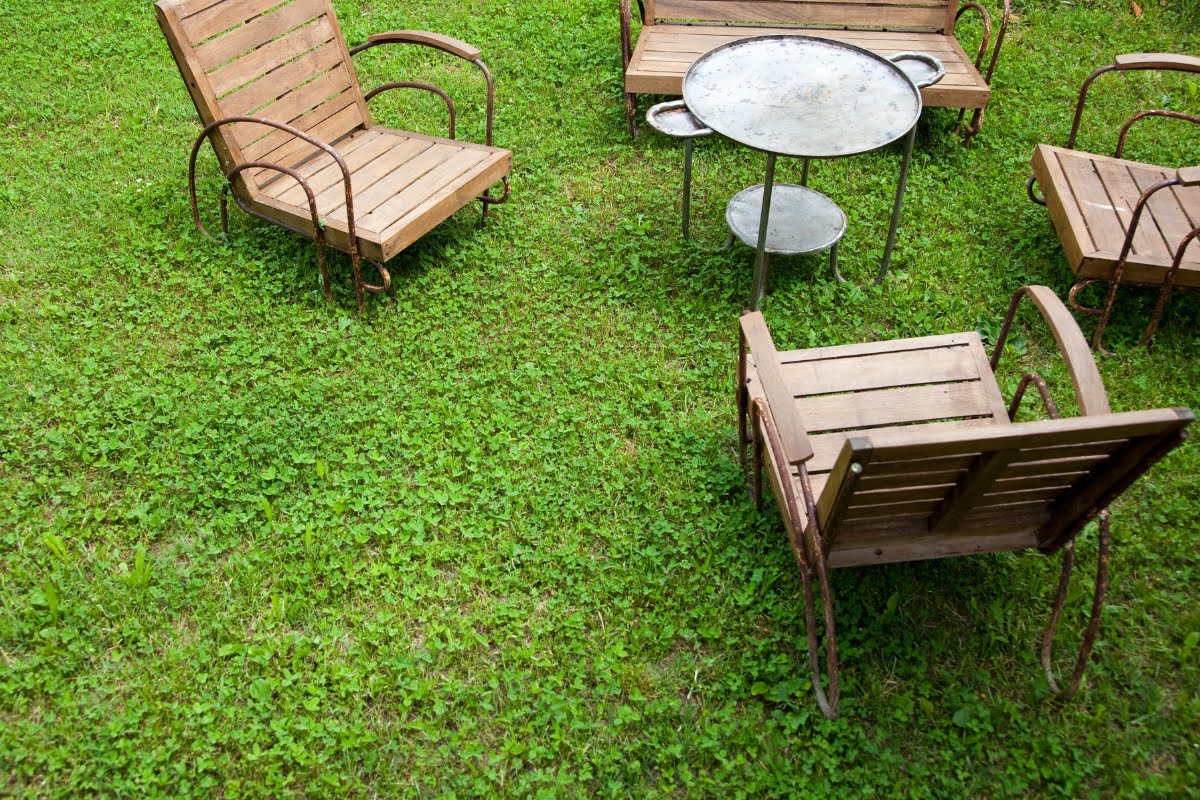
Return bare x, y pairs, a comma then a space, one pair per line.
1093, 628
687, 186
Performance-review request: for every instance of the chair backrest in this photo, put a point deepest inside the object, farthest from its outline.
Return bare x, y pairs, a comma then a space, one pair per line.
279, 59
901, 496
913, 15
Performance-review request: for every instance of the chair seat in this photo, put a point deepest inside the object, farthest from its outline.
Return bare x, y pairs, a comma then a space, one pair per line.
1091, 200
664, 53
404, 184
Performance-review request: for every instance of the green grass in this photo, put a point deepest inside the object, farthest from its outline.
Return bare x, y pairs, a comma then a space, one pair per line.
491, 537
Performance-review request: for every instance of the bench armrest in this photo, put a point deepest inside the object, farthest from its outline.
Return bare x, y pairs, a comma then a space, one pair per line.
780, 402
1089, 388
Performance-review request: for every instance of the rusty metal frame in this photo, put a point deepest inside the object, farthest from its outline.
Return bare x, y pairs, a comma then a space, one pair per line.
631, 106
1092, 631
1118, 272
486, 199
318, 232
976, 122
810, 562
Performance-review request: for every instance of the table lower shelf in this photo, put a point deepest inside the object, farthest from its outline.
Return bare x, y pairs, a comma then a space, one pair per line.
802, 220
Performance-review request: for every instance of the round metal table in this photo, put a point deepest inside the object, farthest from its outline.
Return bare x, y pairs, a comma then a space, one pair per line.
808, 98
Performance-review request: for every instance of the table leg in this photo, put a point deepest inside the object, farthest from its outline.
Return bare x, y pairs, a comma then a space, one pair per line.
804, 174
687, 186
891, 240
759, 287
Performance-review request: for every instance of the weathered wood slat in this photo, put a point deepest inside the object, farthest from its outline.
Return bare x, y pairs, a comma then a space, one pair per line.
272, 55
893, 406
287, 78
221, 17
258, 32
293, 107
878, 371
891, 13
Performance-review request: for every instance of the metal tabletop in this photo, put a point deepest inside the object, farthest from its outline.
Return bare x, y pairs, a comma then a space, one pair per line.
801, 96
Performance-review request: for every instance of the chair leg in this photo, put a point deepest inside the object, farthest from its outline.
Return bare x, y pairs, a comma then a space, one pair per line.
631, 112
828, 702
1093, 628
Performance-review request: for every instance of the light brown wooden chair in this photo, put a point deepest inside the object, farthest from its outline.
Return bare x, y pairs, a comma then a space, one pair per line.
1123, 221
905, 450
276, 90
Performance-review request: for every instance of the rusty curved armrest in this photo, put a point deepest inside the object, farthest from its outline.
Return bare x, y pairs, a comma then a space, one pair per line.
1169, 62
299, 134
1156, 112
1081, 365
446, 44
987, 34
780, 402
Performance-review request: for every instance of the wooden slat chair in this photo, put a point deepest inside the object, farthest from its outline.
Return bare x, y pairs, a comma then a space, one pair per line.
1123, 221
674, 33
274, 85
904, 450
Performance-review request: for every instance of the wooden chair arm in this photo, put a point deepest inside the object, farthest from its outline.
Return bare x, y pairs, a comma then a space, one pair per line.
447, 44
780, 402
439, 41
1081, 365
1189, 176
1170, 61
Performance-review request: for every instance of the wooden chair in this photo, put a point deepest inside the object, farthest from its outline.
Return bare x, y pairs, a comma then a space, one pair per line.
904, 450
281, 104
1123, 221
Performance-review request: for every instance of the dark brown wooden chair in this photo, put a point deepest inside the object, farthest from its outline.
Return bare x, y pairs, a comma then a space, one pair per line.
1123, 221
276, 90
905, 450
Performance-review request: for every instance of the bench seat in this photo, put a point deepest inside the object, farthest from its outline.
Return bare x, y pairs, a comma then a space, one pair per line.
664, 53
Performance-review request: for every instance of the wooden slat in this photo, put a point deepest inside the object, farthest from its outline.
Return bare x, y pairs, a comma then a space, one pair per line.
827, 446
445, 201
329, 131
223, 16
445, 177
868, 13
253, 66
310, 122
292, 106
1030, 469
1050, 479
258, 32
383, 202
893, 406
313, 169
880, 370
1093, 202
379, 180
325, 177
961, 500
285, 79
915, 508
1176, 211
858, 550
762, 366
1122, 189
941, 479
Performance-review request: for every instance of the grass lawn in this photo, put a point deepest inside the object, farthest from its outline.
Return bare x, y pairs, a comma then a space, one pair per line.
491, 536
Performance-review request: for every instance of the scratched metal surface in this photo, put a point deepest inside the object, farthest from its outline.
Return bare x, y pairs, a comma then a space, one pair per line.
801, 96
802, 220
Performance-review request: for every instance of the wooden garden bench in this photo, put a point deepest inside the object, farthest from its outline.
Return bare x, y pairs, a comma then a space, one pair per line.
905, 450
1123, 221
675, 33
276, 90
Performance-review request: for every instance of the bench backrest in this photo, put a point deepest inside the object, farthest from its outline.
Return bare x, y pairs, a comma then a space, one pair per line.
286, 61
913, 15
901, 496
